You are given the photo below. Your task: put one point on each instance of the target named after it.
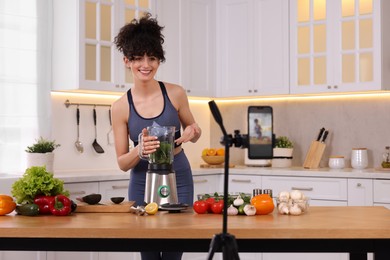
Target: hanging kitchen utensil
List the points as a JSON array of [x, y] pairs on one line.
[[110, 137], [95, 144], [78, 144]]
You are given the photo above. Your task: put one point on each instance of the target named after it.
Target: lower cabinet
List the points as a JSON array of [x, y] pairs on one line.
[[305, 256], [25, 255], [72, 255]]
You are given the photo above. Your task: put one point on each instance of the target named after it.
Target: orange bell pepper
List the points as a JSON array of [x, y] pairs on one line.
[[7, 204]]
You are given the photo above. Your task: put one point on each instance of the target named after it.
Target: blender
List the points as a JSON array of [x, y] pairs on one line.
[[160, 185]]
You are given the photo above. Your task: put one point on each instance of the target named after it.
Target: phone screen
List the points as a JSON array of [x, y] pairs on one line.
[[260, 132]]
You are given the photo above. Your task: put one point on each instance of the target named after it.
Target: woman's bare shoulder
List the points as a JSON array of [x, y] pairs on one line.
[[174, 89]]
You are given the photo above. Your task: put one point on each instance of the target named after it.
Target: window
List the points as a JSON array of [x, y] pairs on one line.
[[24, 78]]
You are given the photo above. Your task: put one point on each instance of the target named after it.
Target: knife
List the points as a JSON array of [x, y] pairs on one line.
[[324, 136], [320, 134]]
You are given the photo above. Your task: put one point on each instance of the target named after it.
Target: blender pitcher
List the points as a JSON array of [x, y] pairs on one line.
[[160, 185]]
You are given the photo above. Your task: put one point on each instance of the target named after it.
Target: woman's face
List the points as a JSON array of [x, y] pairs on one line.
[[143, 67]]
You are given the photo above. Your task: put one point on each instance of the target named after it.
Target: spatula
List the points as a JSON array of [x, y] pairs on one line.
[[95, 144], [109, 134]]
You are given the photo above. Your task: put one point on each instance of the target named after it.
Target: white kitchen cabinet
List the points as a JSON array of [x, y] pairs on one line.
[[189, 30], [206, 184], [84, 55], [321, 191], [382, 193], [360, 192], [242, 183], [252, 47], [338, 46], [110, 189], [25, 255], [81, 189], [305, 256], [51, 255]]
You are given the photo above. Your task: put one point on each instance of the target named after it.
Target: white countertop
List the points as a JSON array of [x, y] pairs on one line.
[[112, 174]]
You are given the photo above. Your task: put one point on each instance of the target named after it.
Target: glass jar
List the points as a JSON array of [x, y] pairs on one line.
[[386, 158]]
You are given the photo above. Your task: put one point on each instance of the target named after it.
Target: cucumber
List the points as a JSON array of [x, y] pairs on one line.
[[27, 209]]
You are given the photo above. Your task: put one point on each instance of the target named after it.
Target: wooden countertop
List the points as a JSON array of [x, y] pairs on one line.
[[319, 222]]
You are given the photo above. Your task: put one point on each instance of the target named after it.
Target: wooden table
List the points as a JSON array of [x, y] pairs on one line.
[[356, 230]]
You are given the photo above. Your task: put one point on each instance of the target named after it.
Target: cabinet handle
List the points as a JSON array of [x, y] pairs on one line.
[[188, 90], [255, 90], [237, 180], [81, 192], [335, 87], [302, 188], [119, 187], [117, 85], [200, 181], [329, 87], [122, 86], [359, 185], [250, 91]]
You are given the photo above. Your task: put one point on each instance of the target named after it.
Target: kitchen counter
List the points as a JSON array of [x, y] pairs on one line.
[[112, 174], [323, 229]]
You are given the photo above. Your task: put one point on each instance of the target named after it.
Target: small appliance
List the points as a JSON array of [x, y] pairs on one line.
[[160, 186]]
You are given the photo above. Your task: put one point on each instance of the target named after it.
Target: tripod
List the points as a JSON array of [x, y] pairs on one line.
[[224, 240]]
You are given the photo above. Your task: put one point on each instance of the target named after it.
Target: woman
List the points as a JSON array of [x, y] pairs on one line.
[[150, 102]]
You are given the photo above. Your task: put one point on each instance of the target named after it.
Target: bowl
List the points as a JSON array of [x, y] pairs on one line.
[[117, 200], [92, 199], [219, 195], [213, 160]]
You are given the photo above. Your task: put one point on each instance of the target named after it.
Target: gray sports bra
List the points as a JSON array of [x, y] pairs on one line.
[[168, 117]]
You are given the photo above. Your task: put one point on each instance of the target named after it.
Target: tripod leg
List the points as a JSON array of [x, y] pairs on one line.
[[214, 246], [230, 248]]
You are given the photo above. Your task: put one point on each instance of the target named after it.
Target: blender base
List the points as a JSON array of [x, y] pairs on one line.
[[173, 208]]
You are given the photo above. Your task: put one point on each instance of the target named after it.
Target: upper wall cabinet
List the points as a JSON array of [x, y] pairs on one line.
[[336, 46], [252, 47], [84, 55], [189, 30]]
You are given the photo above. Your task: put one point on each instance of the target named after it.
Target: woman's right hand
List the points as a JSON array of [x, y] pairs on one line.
[[147, 144]]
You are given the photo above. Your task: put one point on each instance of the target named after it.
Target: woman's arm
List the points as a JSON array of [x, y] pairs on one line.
[[192, 131], [126, 158]]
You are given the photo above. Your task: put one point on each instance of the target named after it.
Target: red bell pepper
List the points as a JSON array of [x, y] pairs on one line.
[[60, 206], [43, 203]]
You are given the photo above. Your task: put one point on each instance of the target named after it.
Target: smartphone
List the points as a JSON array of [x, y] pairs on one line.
[[260, 132]]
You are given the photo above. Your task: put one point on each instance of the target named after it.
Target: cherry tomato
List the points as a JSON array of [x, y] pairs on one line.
[[217, 207], [210, 202], [200, 206]]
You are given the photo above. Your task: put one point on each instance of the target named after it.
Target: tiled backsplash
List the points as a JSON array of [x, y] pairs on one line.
[[353, 121]]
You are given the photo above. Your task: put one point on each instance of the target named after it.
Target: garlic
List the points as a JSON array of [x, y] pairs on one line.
[[302, 205], [238, 201], [284, 196], [295, 210], [232, 211], [249, 210], [283, 208], [296, 195]]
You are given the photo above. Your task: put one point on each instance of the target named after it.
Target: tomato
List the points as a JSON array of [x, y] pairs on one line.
[[217, 207], [263, 203], [200, 206], [210, 201]]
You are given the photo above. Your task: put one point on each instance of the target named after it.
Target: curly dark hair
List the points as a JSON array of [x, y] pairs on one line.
[[138, 38]]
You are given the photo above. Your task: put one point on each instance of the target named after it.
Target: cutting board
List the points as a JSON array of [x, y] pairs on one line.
[[205, 165], [104, 207]]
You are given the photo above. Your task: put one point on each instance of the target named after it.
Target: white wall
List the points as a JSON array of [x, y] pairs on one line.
[[64, 131]]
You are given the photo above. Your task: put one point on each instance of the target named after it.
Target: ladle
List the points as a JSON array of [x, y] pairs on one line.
[[95, 144], [78, 143]]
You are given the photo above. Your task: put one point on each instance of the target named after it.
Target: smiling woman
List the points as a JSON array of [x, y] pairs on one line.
[[24, 78]]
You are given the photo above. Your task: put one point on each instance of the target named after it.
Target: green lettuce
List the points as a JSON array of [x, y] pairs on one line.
[[36, 181]]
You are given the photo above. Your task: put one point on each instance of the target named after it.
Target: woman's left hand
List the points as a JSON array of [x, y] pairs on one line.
[[190, 133]]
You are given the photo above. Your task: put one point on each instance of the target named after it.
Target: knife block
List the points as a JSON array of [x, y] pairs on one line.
[[314, 155]]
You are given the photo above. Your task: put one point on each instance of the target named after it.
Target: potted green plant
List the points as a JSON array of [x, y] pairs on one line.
[[41, 153], [283, 152]]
